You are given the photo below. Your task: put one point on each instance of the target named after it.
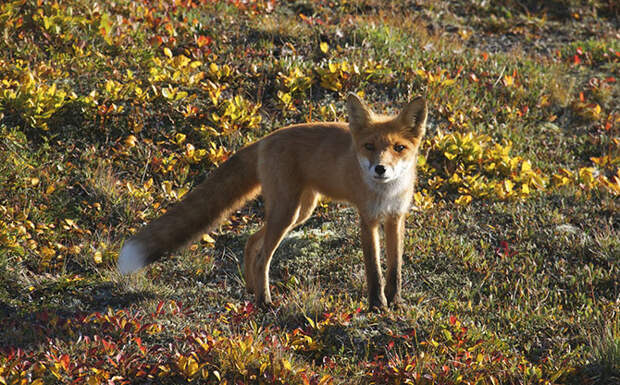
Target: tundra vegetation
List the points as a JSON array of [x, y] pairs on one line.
[[110, 111]]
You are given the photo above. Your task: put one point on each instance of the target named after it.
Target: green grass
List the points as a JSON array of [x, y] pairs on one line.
[[111, 112]]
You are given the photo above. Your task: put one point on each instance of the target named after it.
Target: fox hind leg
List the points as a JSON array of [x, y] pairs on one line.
[[308, 202], [280, 220], [252, 247]]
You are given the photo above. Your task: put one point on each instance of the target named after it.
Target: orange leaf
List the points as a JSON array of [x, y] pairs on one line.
[[64, 361], [203, 40]]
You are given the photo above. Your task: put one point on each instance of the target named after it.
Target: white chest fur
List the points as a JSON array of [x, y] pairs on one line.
[[390, 198]]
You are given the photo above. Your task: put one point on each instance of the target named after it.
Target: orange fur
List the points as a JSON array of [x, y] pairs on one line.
[[369, 162]]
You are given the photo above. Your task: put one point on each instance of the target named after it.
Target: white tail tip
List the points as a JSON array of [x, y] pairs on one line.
[[131, 258]]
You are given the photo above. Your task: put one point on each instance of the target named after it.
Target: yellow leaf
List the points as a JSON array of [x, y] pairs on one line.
[[47, 252], [286, 364], [526, 166], [586, 175], [97, 257], [613, 184], [463, 200], [525, 189], [131, 141], [167, 52], [179, 138], [324, 47], [167, 187], [559, 180], [208, 239], [285, 97], [182, 191], [148, 184], [192, 366], [182, 61]]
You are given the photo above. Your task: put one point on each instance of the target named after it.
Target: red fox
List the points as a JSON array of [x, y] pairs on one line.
[[369, 162]]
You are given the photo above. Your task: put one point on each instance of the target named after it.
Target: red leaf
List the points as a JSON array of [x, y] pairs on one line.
[[64, 361], [203, 40], [576, 60], [452, 320], [112, 362], [106, 344], [459, 71], [159, 306], [579, 51], [304, 378]]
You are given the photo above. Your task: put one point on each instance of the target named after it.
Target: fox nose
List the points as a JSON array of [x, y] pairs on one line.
[[379, 169]]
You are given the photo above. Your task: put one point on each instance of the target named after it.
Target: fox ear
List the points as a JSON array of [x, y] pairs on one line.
[[359, 114], [413, 116]]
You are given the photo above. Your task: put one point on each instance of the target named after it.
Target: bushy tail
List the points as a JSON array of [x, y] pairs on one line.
[[226, 189]]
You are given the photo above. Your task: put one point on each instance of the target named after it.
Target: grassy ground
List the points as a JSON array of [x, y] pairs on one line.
[[111, 111]]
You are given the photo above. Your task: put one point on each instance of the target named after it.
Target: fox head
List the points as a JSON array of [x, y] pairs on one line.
[[387, 147]]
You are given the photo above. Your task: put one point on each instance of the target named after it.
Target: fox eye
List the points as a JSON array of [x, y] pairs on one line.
[[369, 146], [398, 147]]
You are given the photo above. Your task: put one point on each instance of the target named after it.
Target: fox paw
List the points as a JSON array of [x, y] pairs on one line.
[[377, 304], [263, 301], [397, 303]]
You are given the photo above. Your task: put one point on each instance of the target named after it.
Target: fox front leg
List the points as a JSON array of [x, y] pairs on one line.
[[394, 227], [374, 279]]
